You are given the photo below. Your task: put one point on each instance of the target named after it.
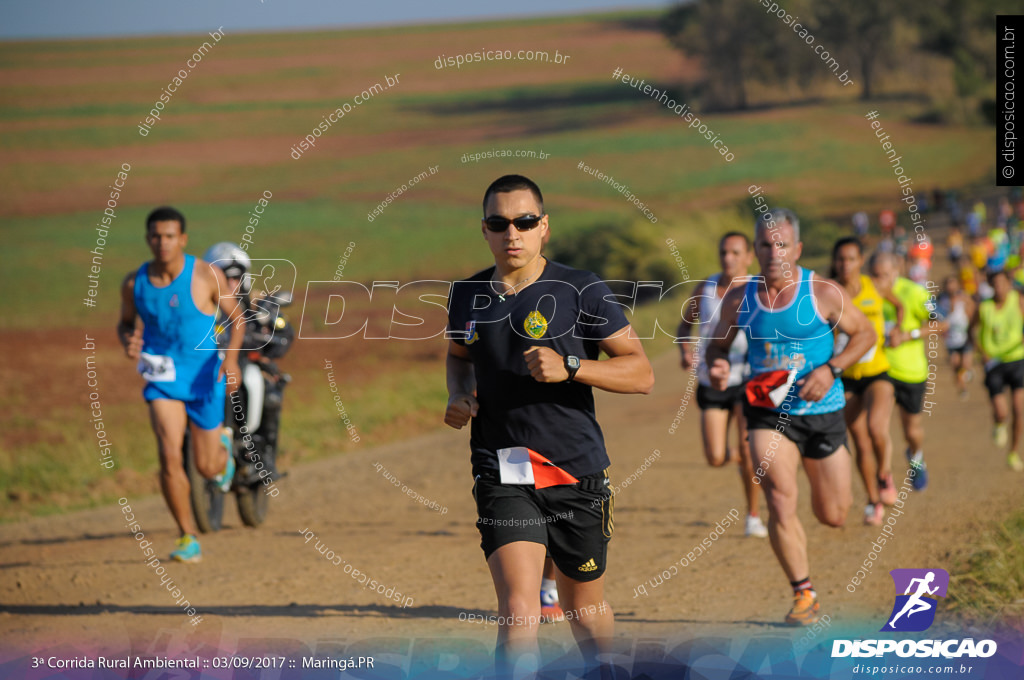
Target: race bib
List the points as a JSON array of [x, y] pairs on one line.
[[769, 390], [156, 368], [514, 465], [520, 465]]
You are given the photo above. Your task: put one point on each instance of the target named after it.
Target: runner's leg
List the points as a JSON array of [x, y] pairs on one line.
[[956, 360], [856, 417], [589, 615], [516, 570], [780, 458], [168, 420], [913, 430], [714, 428], [830, 486], [1017, 396], [878, 402], [211, 456], [746, 464]]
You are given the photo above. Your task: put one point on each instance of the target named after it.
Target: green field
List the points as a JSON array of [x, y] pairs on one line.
[[69, 120]]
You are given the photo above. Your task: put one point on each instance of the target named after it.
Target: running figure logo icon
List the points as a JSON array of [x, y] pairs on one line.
[[914, 610]]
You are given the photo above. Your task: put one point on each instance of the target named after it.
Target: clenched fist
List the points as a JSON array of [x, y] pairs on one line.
[[133, 344], [718, 373], [461, 407], [546, 365]]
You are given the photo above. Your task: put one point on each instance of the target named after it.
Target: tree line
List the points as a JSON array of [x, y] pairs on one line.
[[752, 44]]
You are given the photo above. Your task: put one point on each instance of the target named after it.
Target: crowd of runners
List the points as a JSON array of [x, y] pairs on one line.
[[796, 363]]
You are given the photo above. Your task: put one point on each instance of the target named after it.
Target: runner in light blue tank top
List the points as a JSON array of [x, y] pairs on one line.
[[794, 399], [177, 355], [805, 343], [181, 340]]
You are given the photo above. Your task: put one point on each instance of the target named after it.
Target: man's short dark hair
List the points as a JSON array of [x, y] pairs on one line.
[[839, 245], [994, 274], [508, 183], [735, 234], [847, 241], [165, 214]]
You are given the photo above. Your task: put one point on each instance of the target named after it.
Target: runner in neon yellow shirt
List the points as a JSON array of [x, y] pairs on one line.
[[908, 360], [998, 331], [869, 392]]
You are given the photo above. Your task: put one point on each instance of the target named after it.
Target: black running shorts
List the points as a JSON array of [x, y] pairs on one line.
[[859, 385], [816, 435], [910, 396], [574, 521], [709, 397], [1005, 375]]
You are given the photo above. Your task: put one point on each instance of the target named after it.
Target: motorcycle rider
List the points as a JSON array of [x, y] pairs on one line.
[[237, 267]]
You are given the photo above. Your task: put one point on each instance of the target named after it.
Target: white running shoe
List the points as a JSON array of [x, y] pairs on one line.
[[755, 527]]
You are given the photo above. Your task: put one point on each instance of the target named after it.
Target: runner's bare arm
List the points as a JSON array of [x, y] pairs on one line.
[[127, 332], [625, 371], [690, 318], [835, 305], [461, 378], [973, 331], [218, 292], [895, 302], [232, 308], [717, 357]]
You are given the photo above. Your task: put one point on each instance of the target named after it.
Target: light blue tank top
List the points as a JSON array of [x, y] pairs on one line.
[[175, 328], [793, 336]]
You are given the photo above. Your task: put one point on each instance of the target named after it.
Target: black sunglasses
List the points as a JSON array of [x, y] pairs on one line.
[[498, 224]]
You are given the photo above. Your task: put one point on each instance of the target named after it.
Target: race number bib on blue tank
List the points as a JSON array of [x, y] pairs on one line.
[[156, 368]]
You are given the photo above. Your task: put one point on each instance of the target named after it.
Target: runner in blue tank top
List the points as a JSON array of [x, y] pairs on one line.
[[176, 297], [794, 398]]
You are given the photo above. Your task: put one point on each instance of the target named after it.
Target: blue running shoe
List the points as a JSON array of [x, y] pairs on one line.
[[920, 480], [224, 479], [187, 549]]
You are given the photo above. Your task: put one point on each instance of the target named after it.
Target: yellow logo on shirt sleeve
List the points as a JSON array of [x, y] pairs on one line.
[[536, 325]]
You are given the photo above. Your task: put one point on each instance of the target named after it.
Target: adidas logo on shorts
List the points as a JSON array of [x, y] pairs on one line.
[[589, 565]]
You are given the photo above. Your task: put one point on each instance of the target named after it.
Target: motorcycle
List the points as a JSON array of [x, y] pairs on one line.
[[253, 413]]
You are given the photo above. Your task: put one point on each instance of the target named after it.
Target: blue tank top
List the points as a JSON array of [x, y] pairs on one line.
[[175, 329], [791, 337]]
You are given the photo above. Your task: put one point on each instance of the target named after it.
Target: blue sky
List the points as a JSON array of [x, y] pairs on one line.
[[21, 19]]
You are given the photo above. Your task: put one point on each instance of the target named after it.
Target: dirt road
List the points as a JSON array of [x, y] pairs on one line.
[[79, 580]]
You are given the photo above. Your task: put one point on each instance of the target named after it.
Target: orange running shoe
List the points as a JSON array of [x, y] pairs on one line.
[[805, 609], [550, 609], [551, 613]]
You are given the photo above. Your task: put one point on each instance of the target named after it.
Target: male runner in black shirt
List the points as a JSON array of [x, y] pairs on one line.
[[526, 335]]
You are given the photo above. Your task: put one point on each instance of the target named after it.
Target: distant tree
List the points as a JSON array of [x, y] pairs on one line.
[[732, 39], [864, 29], [964, 31]]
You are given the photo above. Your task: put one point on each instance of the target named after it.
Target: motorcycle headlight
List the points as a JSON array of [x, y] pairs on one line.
[[280, 323]]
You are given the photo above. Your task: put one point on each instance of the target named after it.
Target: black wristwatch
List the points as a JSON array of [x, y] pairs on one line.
[[572, 365], [836, 371]]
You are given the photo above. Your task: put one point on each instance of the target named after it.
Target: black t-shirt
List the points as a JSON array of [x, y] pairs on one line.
[[566, 309]]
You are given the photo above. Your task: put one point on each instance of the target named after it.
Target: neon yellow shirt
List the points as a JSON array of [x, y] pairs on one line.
[[908, 362], [869, 301], [1002, 329]]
